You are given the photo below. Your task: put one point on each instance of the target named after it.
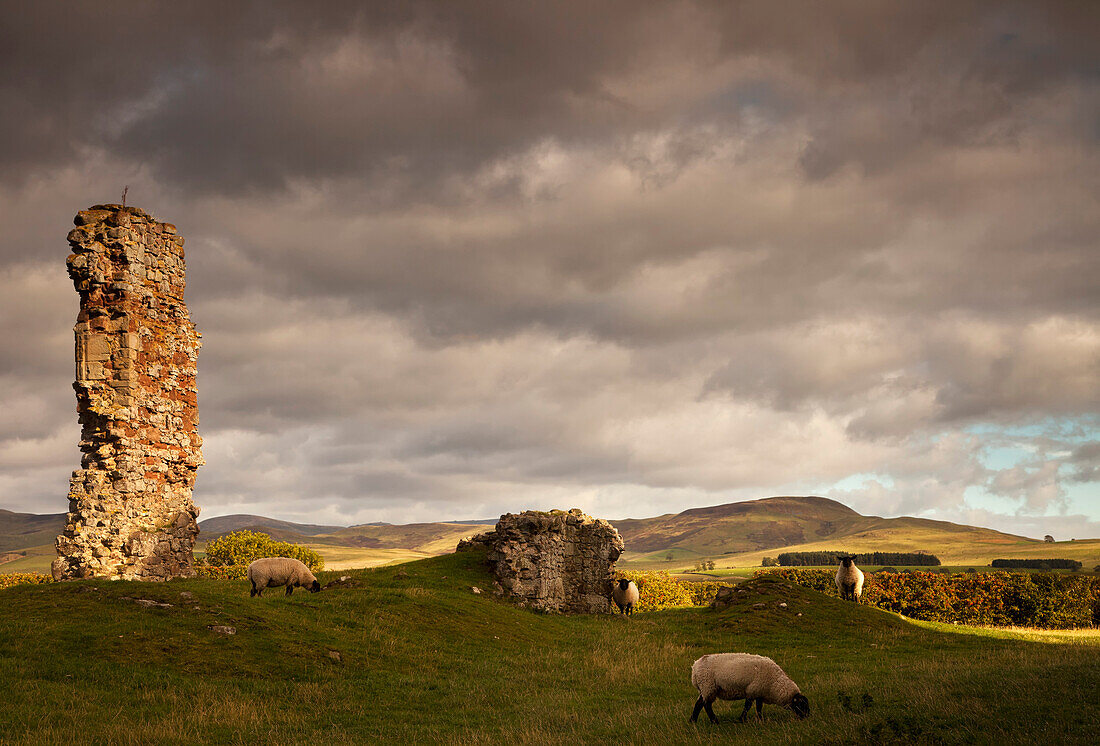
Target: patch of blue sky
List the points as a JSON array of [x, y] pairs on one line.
[[1072, 430], [1006, 456], [1083, 498]]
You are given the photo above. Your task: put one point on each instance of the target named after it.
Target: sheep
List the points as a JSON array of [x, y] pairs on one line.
[[742, 675], [271, 572], [625, 594], [849, 579]]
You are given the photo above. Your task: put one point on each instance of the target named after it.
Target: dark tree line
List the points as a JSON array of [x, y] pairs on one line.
[[1037, 564], [816, 559]]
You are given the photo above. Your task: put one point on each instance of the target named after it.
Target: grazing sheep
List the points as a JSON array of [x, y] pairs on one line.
[[748, 677], [625, 595], [849, 579], [271, 572]]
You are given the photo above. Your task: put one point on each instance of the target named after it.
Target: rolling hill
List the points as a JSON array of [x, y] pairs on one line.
[[734, 535], [24, 530], [742, 534], [213, 527]]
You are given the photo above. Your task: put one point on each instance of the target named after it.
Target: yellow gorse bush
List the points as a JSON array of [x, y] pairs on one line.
[[659, 590], [8, 580], [227, 557]]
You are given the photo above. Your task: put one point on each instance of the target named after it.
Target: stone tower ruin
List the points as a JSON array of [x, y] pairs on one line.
[[130, 509]]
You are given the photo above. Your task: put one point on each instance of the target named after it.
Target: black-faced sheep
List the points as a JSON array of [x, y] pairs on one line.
[[271, 572], [753, 678], [625, 595], [849, 579]]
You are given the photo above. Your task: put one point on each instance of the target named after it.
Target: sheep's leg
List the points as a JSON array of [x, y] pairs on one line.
[[698, 706], [759, 709], [252, 593], [289, 589], [710, 712], [745, 712]]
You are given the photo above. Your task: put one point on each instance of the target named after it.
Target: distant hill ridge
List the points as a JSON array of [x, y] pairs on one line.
[[787, 522], [743, 532]]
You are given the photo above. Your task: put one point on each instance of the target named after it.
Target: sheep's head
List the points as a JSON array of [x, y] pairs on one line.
[[315, 587], [846, 560], [800, 705], [624, 583]]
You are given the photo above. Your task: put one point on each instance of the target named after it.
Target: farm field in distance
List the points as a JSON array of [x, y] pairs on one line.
[[410, 654]]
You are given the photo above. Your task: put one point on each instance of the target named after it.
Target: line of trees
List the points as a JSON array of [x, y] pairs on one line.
[[1036, 564], [816, 559]]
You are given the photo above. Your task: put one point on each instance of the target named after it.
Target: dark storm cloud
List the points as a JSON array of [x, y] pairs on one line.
[[476, 257], [248, 96]]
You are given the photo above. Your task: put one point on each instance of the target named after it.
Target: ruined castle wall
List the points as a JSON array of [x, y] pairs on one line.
[[557, 561], [130, 510]]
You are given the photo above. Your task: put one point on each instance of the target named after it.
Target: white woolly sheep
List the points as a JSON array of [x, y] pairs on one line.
[[849, 579], [625, 595], [744, 676], [271, 572]]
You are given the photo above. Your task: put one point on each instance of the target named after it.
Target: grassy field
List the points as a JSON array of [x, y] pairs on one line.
[[410, 655]]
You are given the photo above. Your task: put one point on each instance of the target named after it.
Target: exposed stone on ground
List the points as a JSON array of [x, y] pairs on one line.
[[344, 581], [131, 515], [148, 602], [557, 561], [222, 629], [724, 597], [475, 590]]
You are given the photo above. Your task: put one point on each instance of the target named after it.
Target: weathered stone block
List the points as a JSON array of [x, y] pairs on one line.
[[557, 561]]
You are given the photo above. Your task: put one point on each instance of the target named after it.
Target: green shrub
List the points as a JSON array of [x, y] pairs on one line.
[[702, 593], [228, 556]]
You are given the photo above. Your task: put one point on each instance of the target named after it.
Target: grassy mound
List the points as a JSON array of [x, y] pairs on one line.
[[410, 654]]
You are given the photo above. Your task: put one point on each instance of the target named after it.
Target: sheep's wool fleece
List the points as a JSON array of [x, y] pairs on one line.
[[849, 575], [742, 676], [629, 596], [273, 571]]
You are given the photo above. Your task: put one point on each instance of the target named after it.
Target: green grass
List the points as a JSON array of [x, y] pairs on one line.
[[424, 660]]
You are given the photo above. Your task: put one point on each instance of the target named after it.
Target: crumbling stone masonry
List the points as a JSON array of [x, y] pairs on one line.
[[130, 509], [554, 561]]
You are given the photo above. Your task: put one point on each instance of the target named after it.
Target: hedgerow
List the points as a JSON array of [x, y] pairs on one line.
[[10, 579], [994, 598], [228, 556], [804, 559], [1036, 564]]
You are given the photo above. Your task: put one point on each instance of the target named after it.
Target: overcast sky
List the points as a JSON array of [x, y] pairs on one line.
[[456, 259]]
